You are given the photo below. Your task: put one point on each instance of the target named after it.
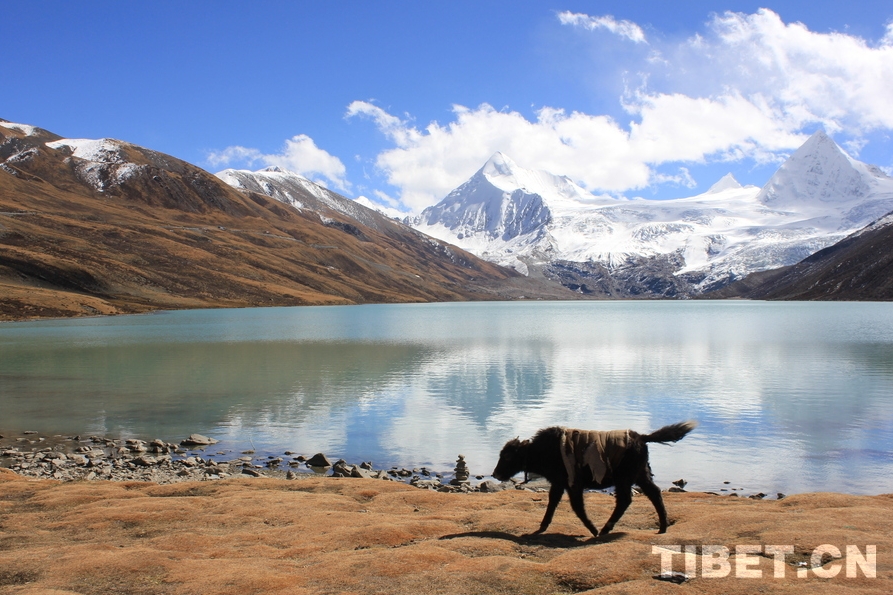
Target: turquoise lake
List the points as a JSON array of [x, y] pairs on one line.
[[790, 396]]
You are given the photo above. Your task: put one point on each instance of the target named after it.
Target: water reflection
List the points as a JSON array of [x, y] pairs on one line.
[[791, 397]]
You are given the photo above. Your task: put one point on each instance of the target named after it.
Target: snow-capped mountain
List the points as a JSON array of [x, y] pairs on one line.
[[521, 218]]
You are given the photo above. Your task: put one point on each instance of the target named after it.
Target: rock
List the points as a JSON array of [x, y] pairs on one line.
[[319, 460], [290, 475], [429, 484], [680, 483], [675, 489], [198, 440], [342, 469], [781, 496], [250, 471], [759, 496], [493, 486], [361, 472]]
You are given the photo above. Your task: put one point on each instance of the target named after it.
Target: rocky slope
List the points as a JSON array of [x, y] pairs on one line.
[[104, 226], [860, 267], [535, 221]]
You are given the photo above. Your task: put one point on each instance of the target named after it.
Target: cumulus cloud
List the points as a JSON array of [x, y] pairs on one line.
[[749, 87], [299, 154], [595, 151], [840, 81], [623, 28]]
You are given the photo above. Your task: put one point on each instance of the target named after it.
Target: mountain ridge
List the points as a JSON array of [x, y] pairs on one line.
[[817, 197], [104, 226]]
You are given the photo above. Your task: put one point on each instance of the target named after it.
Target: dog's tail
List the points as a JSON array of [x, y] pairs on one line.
[[671, 433]]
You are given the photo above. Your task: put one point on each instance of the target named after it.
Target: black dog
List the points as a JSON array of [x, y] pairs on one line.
[[575, 460]]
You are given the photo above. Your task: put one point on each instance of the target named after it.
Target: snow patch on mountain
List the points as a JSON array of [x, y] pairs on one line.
[[517, 217], [25, 129], [386, 211], [104, 150], [101, 163], [299, 192]]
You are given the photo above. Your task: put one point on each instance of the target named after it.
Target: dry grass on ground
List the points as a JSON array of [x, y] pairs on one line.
[[325, 535]]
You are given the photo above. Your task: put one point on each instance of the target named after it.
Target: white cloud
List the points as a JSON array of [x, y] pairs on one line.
[[595, 151], [299, 154], [749, 87], [838, 80], [623, 28]]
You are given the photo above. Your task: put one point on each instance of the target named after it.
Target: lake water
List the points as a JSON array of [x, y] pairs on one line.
[[790, 397]]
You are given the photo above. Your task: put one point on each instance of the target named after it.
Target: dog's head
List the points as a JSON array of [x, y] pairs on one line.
[[511, 459]]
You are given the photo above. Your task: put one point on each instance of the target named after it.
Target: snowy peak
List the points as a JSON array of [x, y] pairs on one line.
[[519, 217], [727, 182], [499, 166], [500, 201], [818, 173], [503, 173]]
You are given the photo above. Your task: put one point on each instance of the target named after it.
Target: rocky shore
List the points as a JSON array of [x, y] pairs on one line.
[[78, 458]]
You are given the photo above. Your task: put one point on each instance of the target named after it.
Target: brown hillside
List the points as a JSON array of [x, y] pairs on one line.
[[133, 230]]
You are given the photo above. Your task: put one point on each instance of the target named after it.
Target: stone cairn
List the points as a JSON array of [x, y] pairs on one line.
[[461, 471]]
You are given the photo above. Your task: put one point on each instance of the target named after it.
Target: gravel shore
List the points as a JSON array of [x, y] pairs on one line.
[[88, 458]]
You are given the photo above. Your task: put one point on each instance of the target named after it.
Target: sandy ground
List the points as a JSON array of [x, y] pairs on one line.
[[327, 535]]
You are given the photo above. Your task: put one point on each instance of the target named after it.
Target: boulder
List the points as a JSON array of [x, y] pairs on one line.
[[492, 486], [198, 440], [319, 460]]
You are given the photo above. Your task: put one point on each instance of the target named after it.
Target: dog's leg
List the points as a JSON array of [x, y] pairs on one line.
[[576, 496], [555, 494], [623, 496], [653, 492]]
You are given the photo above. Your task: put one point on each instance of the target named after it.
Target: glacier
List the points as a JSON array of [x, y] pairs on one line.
[[530, 219]]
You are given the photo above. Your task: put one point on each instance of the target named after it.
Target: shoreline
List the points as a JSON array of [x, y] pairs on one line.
[[195, 458], [89, 458]]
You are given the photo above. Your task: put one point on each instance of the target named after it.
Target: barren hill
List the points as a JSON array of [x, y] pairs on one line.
[[859, 267], [104, 226]]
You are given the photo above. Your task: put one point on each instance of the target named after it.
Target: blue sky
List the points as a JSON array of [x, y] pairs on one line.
[[401, 102]]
